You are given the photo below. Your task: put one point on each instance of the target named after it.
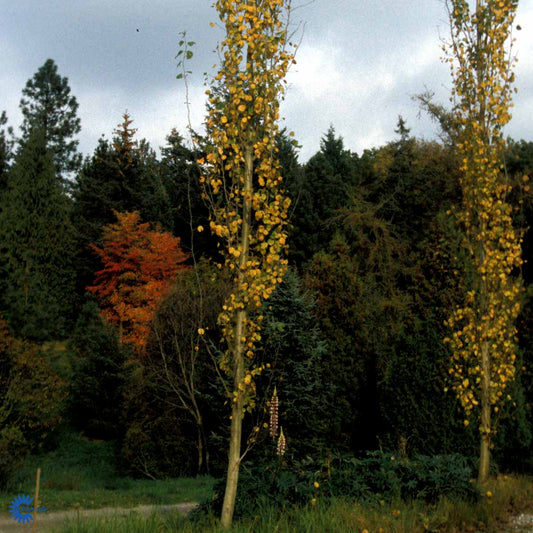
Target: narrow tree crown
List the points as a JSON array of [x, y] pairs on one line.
[[48, 105]]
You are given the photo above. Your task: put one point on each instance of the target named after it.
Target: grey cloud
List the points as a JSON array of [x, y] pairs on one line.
[[376, 55]]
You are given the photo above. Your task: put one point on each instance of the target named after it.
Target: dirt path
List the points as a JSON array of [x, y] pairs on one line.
[[46, 521]]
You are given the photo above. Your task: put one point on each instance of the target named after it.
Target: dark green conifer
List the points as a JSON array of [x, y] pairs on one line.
[[47, 105], [96, 388], [291, 341], [317, 195], [36, 241]]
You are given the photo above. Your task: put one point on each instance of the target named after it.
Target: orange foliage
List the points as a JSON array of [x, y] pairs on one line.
[[140, 265]]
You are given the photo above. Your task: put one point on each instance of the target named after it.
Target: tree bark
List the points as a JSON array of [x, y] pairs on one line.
[[484, 451], [234, 454], [234, 460]]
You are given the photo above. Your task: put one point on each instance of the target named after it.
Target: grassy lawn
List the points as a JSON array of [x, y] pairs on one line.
[[80, 474], [131, 493]]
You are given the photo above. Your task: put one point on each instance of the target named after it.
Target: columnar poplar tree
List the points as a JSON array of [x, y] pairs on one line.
[[243, 183], [483, 338]]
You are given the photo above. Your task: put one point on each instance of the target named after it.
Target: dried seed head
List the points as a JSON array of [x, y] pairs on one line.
[[274, 407], [282, 443]]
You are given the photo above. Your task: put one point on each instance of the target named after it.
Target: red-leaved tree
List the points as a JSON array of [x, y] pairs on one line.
[[140, 265]]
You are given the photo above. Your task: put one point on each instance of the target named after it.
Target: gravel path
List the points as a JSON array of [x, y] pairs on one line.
[[47, 520], [522, 523]]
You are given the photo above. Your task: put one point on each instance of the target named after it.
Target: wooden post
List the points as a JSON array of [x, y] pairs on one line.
[[36, 501]]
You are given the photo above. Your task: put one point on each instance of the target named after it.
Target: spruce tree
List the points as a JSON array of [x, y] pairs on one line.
[[139, 183], [48, 105], [122, 175], [321, 190], [292, 342], [36, 241], [181, 180]]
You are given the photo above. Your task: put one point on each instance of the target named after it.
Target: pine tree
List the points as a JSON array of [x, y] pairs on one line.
[[180, 178], [95, 195], [6, 154], [409, 179], [47, 105], [36, 239]]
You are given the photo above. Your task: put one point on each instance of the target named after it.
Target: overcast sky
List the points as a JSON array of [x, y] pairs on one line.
[[358, 66]]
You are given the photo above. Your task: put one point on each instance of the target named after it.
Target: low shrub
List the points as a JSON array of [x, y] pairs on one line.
[[378, 476], [13, 448], [32, 399], [384, 475]]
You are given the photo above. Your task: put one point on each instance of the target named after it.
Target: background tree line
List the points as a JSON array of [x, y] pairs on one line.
[[351, 340]]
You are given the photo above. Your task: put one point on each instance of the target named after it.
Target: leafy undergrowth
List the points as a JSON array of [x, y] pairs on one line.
[[378, 477], [81, 474], [503, 498]]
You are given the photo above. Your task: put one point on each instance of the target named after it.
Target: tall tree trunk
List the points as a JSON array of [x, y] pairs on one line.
[[203, 453], [234, 454], [484, 451]]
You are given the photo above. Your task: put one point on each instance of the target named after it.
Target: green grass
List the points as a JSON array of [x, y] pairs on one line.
[[134, 524], [81, 474], [131, 493], [508, 496]]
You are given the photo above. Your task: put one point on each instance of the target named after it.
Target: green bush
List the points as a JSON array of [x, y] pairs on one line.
[[384, 475], [12, 451], [32, 399], [378, 476], [97, 383], [261, 486]]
